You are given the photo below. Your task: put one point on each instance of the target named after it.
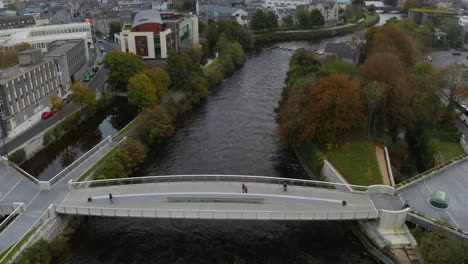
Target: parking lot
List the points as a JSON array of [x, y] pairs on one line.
[[444, 58]]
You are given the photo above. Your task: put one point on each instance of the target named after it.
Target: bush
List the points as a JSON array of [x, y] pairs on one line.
[[157, 127], [18, 156], [313, 157], [228, 67], [215, 77]]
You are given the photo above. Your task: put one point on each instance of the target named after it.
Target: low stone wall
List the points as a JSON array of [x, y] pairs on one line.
[[389, 166], [463, 144], [392, 219], [332, 175]]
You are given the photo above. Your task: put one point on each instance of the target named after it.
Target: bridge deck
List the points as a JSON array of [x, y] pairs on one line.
[[314, 203]]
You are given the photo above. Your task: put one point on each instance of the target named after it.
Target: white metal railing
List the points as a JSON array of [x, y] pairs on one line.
[[19, 208], [20, 170], [77, 162], [217, 214], [21, 244], [6, 209], [215, 178]]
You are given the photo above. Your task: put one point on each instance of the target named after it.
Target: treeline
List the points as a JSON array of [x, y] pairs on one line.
[[164, 93], [392, 96]]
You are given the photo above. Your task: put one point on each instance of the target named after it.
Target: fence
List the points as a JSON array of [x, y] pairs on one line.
[[77, 162], [18, 208], [217, 214], [216, 178], [6, 209], [29, 236]]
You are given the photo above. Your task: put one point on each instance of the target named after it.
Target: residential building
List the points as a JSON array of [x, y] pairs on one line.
[[329, 10], [215, 12], [152, 34], [69, 60], [284, 4], [135, 6], [17, 21], [39, 37], [25, 90], [103, 20], [342, 51]]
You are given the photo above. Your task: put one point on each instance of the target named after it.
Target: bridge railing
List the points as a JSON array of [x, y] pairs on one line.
[[217, 214], [217, 178], [6, 209]]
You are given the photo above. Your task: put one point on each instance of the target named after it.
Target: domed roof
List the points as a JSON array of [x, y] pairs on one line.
[[147, 17], [439, 200]]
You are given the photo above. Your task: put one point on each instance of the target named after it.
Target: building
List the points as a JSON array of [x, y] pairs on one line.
[[342, 51], [25, 90], [103, 20], [39, 37], [17, 21], [329, 10], [215, 12], [152, 34], [284, 4], [135, 6], [69, 60]]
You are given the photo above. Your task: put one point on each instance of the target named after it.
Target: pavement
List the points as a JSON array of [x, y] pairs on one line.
[[441, 59], [454, 182], [16, 188]]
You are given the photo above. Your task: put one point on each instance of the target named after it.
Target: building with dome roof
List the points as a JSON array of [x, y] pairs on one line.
[[152, 34]]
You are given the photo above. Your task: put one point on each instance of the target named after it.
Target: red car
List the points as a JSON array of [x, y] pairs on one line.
[[47, 115]]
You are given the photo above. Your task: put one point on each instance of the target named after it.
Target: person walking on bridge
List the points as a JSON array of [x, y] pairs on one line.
[[110, 197], [243, 188], [285, 186]]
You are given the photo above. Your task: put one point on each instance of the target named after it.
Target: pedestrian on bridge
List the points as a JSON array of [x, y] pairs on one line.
[[110, 197], [285, 186], [243, 188]]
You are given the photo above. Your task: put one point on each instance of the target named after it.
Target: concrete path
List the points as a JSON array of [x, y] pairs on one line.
[[379, 153], [22, 190], [273, 199]]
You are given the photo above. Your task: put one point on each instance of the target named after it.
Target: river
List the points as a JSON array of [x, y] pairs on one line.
[[233, 132]]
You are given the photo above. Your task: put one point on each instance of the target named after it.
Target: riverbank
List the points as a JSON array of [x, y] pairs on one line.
[[314, 34]]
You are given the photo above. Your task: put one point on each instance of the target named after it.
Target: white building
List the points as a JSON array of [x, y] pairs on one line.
[[463, 21], [284, 4], [40, 36], [329, 10]]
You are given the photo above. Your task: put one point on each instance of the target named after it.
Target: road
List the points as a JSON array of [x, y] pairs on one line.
[[98, 81]]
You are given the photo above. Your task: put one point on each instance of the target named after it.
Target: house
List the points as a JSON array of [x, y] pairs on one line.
[[342, 51], [215, 12], [329, 10]]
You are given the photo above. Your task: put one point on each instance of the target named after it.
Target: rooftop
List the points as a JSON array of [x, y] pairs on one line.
[[59, 47], [147, 16]]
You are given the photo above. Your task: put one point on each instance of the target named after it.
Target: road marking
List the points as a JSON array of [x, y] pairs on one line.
[[452, 219], [424, 182], [11, 189], [33, 199]]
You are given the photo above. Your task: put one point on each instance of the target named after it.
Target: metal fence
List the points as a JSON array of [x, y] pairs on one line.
[[77, 162], [18, 208], [217, 214], [6, 209], [214, 178]]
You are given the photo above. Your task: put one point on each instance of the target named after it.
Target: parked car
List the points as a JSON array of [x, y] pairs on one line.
[[47, 115], [102, 49], [456, 53], [99, 40], [87, 78], [95, 69]]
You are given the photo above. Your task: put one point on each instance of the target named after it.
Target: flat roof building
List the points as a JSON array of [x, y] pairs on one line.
[[40, 36]]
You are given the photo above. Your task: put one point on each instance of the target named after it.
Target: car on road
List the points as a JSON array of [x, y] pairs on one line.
[[47, 115], [102, 49], [95, 69], [99, 41], [456, 53], [87, 78]]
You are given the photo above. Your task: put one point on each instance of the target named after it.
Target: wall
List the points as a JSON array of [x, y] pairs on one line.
[[332, 175], [392, 219]]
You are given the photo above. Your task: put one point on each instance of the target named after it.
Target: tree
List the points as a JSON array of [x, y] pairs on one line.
[[184, 67], [409, 4], [121, 67], [271, 21], [237, 54], [160, 79], [334, 105], [199, 89], [372, 9], [438, 247], [373, 96], [158, 126], [114, 27], [302, 17], [454, 35], [141, 91], [83, 96], [288, 21], [454, 84], [316, 18], [57, 103], [336, 65], [258, 20], [233, 31], [353, 13], [358, 2], [129, 154]]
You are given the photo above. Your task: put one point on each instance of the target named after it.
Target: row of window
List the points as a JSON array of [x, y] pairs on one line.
[[59, 31], [16, 23]]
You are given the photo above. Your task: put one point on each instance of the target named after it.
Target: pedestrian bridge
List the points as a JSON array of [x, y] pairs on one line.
[[220, 197]]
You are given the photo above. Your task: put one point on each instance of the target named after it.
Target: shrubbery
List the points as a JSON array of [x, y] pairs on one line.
[[18, 156]]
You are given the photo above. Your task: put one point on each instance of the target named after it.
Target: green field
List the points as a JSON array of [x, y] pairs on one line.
[[357, 162], [449, 150]]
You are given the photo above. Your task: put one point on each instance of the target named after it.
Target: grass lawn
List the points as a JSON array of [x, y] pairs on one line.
[[212, 64], [357, 162], [449, 150]]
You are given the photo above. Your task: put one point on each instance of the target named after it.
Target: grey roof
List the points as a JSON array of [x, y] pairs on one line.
[[145, 17], [342, 50], [326, 3], [220, 9], [16, 21], [60, 47]]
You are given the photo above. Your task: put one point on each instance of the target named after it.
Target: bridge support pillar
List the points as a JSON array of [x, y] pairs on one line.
[[393, 219]]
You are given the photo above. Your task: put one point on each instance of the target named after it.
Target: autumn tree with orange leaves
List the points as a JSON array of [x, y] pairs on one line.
[[334, 106]]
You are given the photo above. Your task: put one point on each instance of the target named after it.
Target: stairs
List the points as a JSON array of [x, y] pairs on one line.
[[411, 253]]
